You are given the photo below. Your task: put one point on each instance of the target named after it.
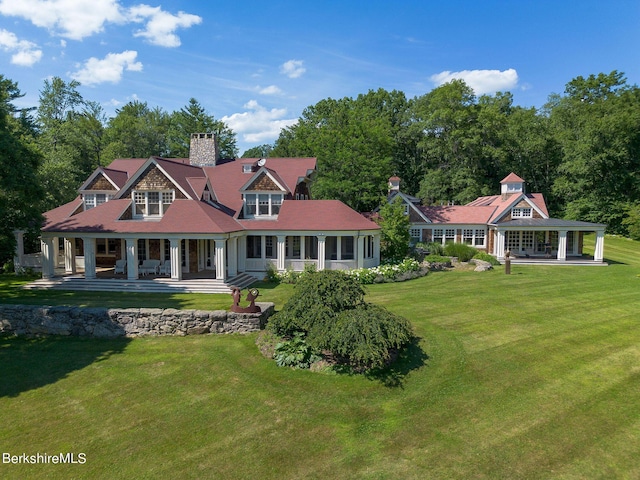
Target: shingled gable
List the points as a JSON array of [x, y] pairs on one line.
[[265, 180], [100, 180], [175, 173], [504, 206]]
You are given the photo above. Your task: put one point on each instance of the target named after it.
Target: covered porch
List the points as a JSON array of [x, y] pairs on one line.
[[298, 251], [551, 240]]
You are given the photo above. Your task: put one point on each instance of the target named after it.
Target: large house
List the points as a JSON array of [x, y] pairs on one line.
[[513, 221], [204, 216]]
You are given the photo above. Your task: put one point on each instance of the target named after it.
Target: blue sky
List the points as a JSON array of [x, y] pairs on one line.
[[257, 65]]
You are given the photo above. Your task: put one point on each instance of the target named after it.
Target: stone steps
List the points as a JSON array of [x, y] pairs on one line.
[[158, 285]]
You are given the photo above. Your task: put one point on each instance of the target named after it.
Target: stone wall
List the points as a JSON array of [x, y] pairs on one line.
[[130, 322]]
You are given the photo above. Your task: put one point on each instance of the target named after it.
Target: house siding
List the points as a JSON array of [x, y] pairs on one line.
[[153, 179], [101, 183]]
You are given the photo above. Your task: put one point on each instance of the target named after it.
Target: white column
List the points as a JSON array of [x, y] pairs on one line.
[[598, 253], [89, 258], [176, 258], [562, 245], [499, 248], [376, 249], [303, 253], [242, 253], [221, 260], [19, 253], [360, 247], [70, 255], [339, 247], [321, 252], [48, 256], [132, 258], [281, 253], [233, 256]]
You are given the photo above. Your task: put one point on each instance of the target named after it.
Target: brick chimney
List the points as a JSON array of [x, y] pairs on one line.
[[203, 150]]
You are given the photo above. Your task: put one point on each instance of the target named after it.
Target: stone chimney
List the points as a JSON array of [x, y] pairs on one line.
[[203, 150], [394, 184]]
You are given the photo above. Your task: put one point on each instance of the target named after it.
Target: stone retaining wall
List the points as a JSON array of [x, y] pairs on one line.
[[129, 322]]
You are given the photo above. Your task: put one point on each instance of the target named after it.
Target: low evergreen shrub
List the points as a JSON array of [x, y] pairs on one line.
[[295, 353]]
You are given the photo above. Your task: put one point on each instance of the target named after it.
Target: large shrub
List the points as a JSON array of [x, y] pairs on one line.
[[463, 251], [328, 310]]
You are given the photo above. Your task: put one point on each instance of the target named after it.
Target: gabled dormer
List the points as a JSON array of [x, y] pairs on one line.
[[263, 194], [152, 191], [99, 188]]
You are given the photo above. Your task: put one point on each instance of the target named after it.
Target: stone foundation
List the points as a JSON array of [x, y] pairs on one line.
[[127, 322]]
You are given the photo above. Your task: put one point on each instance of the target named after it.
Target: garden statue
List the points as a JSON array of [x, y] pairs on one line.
[[252, 294]]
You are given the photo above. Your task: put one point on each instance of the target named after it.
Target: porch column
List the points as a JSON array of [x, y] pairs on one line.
[[303, 253], [48, 256], [89, 258], [70, 255], [499, 248], [282, 253], [19, 253], [598, 252], [360, 248], [376, 248], [242, 253], [321, 251], [562, 245], [339, 247], [132, 258], [233, 256], [221, 260], [176, 258]]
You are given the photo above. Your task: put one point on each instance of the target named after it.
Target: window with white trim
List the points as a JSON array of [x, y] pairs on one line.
[[450, 235], [92, 200], [438, 235], [520, 212], [415, 233], [467, 236], [150, 203], [479, 237], [262, 204]]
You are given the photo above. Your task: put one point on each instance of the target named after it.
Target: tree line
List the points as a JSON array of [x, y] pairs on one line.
[[581, 149]]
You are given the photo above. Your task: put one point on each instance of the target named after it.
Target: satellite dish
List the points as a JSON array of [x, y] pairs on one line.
[[261, 162]]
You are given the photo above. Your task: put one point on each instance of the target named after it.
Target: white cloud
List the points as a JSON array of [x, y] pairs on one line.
[[24, 53], [482, 81], [74, 19], [161, 25], [109, 69], [270, 90], [78, 19], [258, 125], [293, 68]]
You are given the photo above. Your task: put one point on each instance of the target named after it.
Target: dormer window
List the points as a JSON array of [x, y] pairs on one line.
[[521, 212], [247, 168], [92, 200], [262, 204], [151, 203]]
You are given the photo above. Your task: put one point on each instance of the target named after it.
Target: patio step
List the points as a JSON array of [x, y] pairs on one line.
[[158, 285]]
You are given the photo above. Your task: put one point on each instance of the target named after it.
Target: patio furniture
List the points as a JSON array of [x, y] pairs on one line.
[[121, 266], [149, 267], [165, 268]]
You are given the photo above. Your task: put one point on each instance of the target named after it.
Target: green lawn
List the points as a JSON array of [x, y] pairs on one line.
[[530, 375]]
